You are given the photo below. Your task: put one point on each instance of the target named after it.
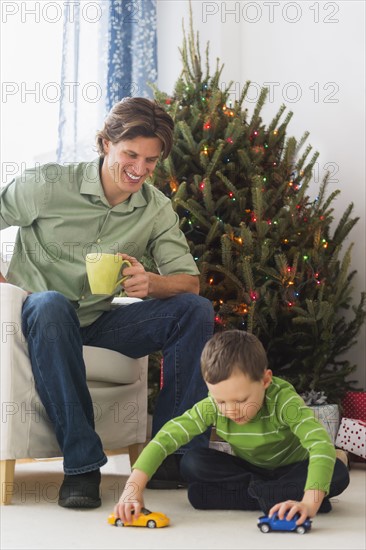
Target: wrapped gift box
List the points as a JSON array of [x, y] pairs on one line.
[[352, 436], [354, 405], [329, 416], [221, 446]]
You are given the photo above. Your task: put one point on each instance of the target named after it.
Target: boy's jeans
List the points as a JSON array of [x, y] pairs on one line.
[[179, 326]]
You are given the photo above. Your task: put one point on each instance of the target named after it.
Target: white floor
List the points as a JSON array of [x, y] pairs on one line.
[[35, 521]]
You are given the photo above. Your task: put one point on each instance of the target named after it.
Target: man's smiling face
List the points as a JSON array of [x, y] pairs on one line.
[[126, 166]]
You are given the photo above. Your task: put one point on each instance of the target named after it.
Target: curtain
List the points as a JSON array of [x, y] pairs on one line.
[[132, 49], [109, 52]]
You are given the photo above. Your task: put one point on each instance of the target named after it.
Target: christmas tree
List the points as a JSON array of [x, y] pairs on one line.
[[269, 259]]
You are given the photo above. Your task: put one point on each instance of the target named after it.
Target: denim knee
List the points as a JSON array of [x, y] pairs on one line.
[[193, 300], [47, 308], [201, 311]]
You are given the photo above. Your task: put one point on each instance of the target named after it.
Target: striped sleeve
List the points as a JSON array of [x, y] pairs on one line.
[[175, 433], [312, 435]]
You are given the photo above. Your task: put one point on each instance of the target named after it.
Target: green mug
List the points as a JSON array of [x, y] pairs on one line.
[[104, 272]]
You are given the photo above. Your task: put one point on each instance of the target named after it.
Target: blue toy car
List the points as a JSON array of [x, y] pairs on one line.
[[274, 523]]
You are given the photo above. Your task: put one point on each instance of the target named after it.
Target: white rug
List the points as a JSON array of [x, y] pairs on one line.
[[35, 521]]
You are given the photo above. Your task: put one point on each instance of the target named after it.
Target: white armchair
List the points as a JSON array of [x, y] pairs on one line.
[[118, 390]]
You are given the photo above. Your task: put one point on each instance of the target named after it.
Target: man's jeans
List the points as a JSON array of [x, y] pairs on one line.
[[179, 326]]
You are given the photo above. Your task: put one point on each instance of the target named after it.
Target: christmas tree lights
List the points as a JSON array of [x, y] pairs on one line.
[[269, 260]]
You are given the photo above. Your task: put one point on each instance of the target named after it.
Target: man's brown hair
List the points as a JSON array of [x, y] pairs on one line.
[[230, 350], [137, 117]]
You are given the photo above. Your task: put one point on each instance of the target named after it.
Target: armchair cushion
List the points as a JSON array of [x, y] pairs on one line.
[[112, 370]]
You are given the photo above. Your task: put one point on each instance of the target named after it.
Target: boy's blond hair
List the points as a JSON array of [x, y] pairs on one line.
[[230, 350]]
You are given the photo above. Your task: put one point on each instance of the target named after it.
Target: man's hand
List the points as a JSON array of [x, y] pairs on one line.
[[141, 283], [137, 284]]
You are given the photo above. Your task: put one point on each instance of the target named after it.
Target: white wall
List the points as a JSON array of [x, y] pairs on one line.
[[312, 55], [31, 45]]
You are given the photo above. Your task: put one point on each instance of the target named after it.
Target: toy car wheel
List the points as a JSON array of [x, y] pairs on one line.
[[118, 523], [300, 529], [265, 528], [151, 524]]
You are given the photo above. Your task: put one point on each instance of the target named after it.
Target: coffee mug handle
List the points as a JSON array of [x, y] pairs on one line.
[[125, 263]]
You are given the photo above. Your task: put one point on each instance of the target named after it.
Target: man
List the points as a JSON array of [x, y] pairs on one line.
[[65, 212]]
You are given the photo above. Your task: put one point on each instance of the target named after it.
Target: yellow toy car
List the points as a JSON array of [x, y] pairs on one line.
[[145, 519]]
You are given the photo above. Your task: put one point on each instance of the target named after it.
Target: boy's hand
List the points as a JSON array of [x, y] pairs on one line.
[[123, 509], [132, 497], [307, 508], [291, 507]]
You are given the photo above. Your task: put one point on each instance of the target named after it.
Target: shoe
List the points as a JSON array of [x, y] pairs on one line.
[[80, 491], [168, 475], [325, 507]]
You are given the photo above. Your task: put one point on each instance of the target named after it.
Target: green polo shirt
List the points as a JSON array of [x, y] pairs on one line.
[[63, 214]]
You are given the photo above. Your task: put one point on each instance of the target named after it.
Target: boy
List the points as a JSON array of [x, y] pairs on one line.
[[283, 458]]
